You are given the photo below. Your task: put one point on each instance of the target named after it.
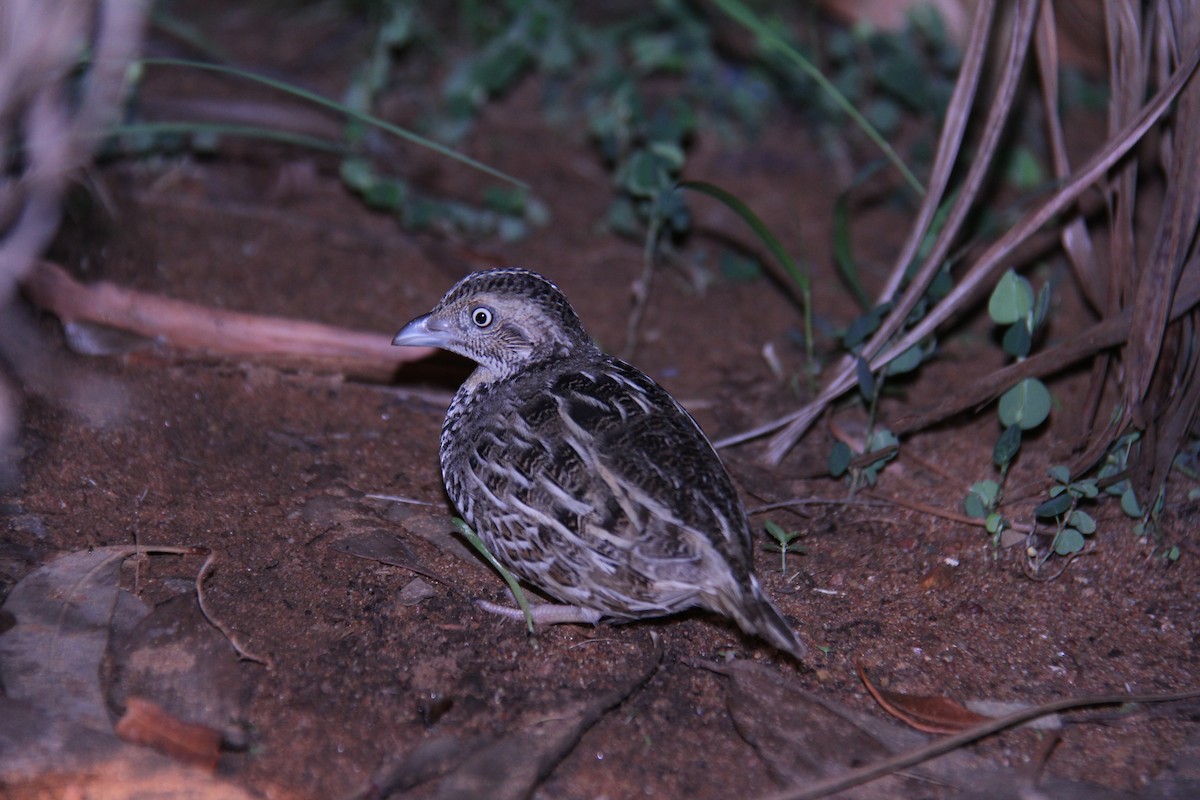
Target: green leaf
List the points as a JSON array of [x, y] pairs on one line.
[[1060, 473], [881, 439], [738, 268], [1042, 307], [1011, 300], [981, 498], [994, 521], [839, 459], [988, 491], [1017, 342], [866, 381], [1068, 541], [907, 361], [1130, 504], [777, 532], [1007, 446], [974, 507], [1023, 170], [1054, 507], [386, 195], [1027, 404], [864, 325], [1082, 522], [644, 174], [672, 155], [357, 173]]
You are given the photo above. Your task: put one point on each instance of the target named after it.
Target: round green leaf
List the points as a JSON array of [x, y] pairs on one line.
[[1069, 541], [1011, 300], [357, 173], [1083, 522], [644, 174], [907, 361], [1052, 508], [1027, 404], [385, 195], [839, 459], [1060, 473], [987, 490], [1130, 505], [1017, 341], [881, 439], [861, 327], [974, 507]]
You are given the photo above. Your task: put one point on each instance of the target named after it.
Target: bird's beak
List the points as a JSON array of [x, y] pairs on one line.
[[423, 331]]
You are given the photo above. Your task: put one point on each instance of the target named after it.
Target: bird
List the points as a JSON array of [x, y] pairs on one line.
[[583, 477]]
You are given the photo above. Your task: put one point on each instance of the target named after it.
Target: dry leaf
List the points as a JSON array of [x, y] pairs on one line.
[[927, 713]]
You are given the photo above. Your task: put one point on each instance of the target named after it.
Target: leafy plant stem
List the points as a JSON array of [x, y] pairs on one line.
[[871, 414], [642, 291]]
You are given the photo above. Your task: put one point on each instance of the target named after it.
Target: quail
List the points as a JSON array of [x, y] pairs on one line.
[[583, 476]]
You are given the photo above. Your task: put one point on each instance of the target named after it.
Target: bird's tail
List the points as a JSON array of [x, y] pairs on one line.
[[756, 614]]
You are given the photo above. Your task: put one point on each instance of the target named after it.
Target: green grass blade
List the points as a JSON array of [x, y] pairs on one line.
[[843, 252], [509, 578], [759, 227], [341, 108], [222, 129], [769, 240], [768, 38]]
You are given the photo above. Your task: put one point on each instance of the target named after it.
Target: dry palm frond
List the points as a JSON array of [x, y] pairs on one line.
[[1146, 290]]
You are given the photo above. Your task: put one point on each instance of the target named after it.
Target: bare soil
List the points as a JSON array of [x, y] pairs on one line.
[[277, 470]]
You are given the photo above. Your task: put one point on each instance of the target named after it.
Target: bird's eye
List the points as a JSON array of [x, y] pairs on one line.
[[482, 316]]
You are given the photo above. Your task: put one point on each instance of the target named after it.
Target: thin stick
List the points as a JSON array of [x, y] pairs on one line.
[[231, 637], [953, 516], [857, 777], [188, 326]]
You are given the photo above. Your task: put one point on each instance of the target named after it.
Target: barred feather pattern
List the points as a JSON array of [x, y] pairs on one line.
[[582, 475]]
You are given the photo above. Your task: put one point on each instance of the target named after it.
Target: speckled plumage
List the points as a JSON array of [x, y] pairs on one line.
[[582, 475]]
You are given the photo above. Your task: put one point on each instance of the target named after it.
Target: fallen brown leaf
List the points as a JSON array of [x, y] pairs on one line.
[[928, 713]]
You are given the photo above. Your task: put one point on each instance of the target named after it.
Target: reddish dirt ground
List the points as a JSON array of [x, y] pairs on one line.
[[273, 470]]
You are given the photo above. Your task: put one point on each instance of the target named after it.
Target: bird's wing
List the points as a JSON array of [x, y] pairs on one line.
[[657, 464]]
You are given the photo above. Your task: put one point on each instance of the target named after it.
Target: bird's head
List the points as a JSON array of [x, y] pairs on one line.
[[503, 319]]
